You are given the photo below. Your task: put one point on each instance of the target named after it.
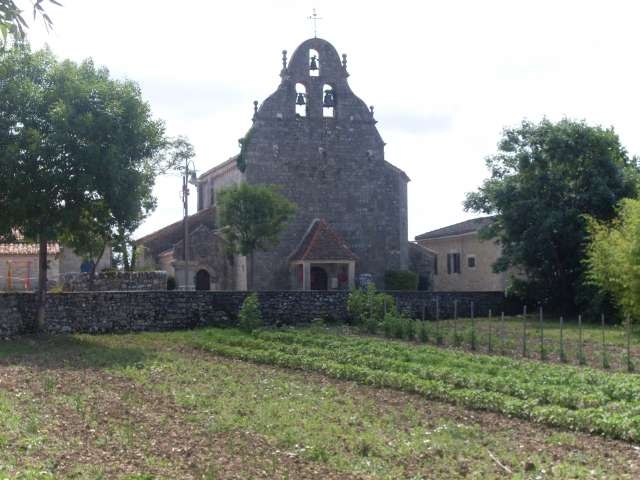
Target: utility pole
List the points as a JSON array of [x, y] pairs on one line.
[[188, 178]]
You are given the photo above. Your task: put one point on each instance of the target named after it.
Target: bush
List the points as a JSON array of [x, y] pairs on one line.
[[401, 280], [249, 317], [369, 305], [409, 327], [171, 283]]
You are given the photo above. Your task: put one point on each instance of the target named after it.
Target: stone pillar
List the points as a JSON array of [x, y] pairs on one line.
[[306, 276], [352, 274]]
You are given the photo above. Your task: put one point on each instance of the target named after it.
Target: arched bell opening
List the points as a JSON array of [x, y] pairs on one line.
[[328, 101], [314, 63], [301, 100]]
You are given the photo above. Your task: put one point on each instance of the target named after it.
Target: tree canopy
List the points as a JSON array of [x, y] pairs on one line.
[[613, 256], [544, 179], [253, 217], [80, 150]]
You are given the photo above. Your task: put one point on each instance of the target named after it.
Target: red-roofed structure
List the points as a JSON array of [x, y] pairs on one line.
[[323, 260]]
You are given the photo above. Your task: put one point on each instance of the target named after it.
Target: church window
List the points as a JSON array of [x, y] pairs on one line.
[[328, 101], [453, 263], [301, 100], [314, 63]]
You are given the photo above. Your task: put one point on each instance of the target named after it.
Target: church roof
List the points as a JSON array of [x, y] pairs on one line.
[[468, 226], [221, 166], [165, 238], [322, 242]]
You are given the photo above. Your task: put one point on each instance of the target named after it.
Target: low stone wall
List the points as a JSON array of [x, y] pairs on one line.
[[99, 312], [114, 281]]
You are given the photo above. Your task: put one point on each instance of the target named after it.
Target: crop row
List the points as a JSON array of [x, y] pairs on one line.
[[545, 384], [348, 358]]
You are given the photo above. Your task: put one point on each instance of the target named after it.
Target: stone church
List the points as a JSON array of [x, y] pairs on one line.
[[316, 140]]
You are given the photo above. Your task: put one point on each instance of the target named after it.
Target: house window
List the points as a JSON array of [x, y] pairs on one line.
[[453, 263], [435, 264], [212, 196], [471, 261]]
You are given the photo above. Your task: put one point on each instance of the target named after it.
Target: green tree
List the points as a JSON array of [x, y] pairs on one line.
[[252, 217], [79, 151], [544, 179], [613, 256]]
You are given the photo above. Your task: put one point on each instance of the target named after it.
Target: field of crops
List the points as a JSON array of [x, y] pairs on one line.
[[611, 347], [564, 396]]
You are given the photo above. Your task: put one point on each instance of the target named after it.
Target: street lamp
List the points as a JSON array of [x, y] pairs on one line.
[[188, 178]]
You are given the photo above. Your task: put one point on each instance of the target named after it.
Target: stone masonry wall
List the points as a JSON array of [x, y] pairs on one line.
[[101, 312], [112, 281]]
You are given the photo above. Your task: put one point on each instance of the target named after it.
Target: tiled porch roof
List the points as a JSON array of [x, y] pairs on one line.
[[322, 242]]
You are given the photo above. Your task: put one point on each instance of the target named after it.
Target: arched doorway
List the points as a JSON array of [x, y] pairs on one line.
[[318, 278], [203, 280]]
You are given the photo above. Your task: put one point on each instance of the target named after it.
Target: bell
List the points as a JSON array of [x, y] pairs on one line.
[[314, 63], [328, 99], [300, 99]]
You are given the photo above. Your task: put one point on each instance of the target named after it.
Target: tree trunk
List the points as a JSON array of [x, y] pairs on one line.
[[94, 267], [129, 266], [42, 284]]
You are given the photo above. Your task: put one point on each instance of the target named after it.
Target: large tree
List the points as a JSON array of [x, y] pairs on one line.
[[252, 217], [78, 149], [545, 177]]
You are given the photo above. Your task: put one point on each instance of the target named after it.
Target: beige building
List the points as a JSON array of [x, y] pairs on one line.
[[462, 261], [19, 267]]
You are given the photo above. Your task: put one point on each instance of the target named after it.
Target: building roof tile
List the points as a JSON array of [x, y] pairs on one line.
[[22, 248], [165, 238], [468, 226], [322, 242]]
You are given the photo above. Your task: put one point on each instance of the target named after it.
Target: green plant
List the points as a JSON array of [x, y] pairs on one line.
[[423, 332], [439, 333], [394, 325], [249, 317], [408, 327], [367, 304], [400, 280], [171, 283]]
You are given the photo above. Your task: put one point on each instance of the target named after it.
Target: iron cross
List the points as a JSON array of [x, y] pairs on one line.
[[315, 19]]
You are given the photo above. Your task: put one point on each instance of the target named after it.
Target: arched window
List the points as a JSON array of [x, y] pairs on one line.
[[328, 101], [301, 100], [314, 63]]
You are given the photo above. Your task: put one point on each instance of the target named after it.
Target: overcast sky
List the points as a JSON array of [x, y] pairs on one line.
[[445, 77]]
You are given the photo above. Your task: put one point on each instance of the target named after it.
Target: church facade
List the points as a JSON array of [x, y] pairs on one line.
[[318, 142]]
